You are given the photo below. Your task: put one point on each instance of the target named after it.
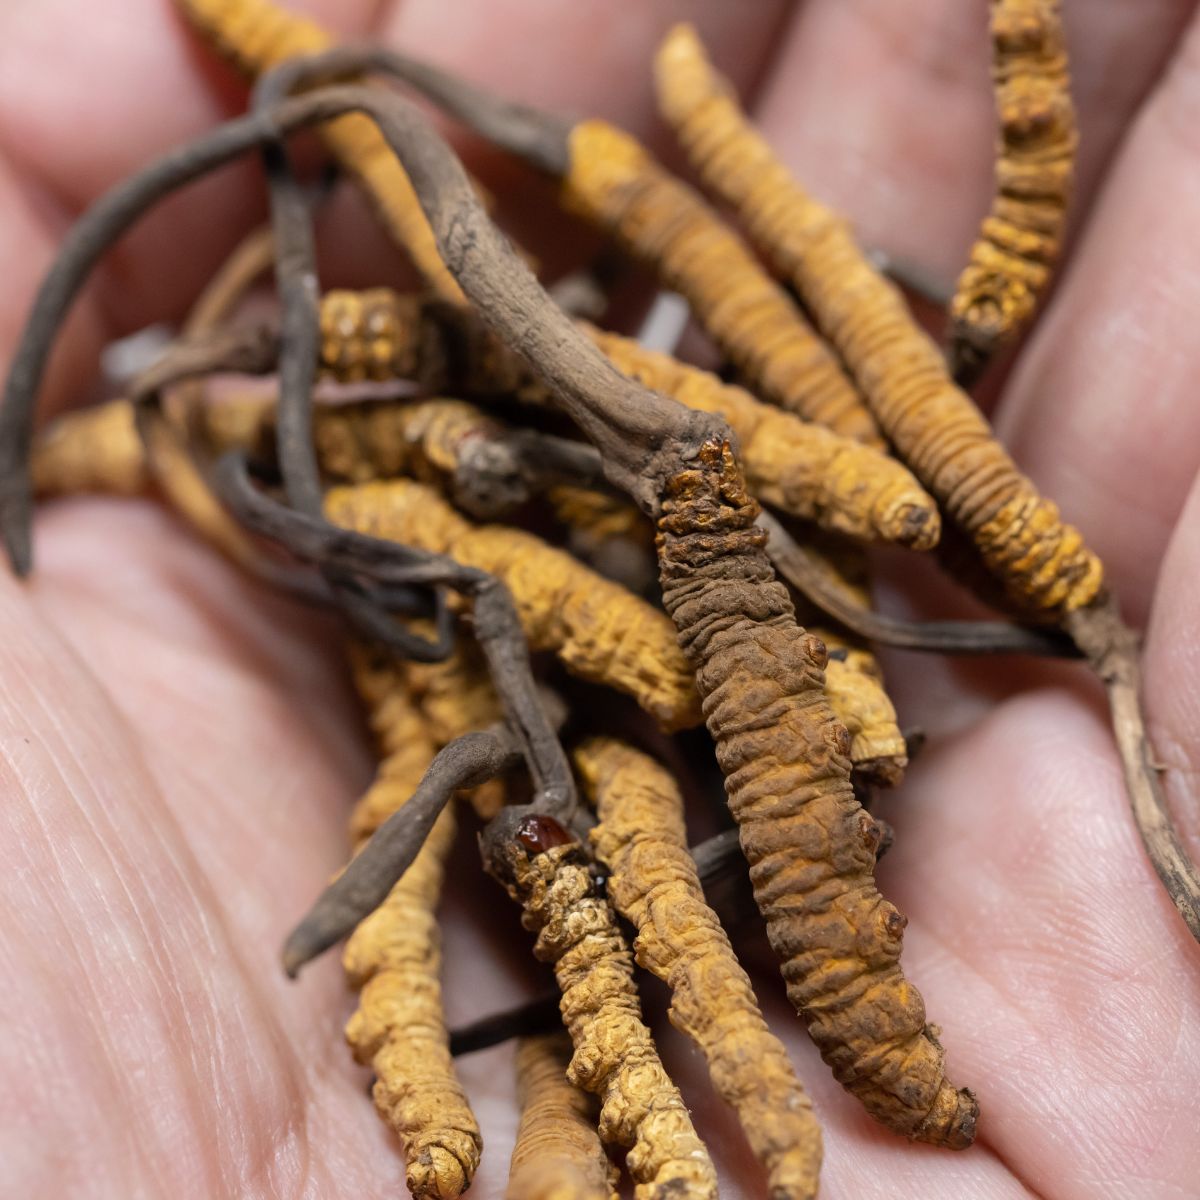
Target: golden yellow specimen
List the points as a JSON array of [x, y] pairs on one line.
[[802, 469], [654, 885], [558, 1155], [394, 959], [810, 846], [618, 186], [91, 450], [1019, 242], [599, 630], [256, 35], [937, 429], [641, 1110]]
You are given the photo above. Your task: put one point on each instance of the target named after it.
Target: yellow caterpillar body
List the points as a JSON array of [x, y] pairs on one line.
[[1019, 242], [393, 958], [937, 429], [599, 630], [653, 883], [616, 185]]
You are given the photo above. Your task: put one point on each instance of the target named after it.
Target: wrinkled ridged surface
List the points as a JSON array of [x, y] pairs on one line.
[[615, 184], [256, 35], [653, 883], [558, 1155], [394, 959], [810, 845], [1019, 241], [802, 469], [615, 1057], [937, 429], [599, 630]]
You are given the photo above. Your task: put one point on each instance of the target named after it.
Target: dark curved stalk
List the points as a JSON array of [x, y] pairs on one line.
[[800, 570]]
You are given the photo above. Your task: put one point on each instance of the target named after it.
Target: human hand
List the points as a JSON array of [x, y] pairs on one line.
[[181, 748]]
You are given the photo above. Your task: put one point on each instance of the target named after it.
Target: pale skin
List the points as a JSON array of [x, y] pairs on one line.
[[180, 749]]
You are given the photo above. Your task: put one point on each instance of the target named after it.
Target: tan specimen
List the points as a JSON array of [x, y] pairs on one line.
[[558, 1155], [599, 630], [641, 1110], [394, 959], [653, 883]]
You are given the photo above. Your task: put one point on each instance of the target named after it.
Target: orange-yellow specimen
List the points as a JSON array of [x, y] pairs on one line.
[[653, 883], [393, 958], [936, 428], [558, 1155]]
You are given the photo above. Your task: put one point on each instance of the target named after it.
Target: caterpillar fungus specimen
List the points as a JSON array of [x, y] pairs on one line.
[[546, 871], [938, 431], [256, 35], [558, 1154], [600, 631], [760, 675], [810, 845], [394, 960], [803, 469], [1019, 242], [653, 882]]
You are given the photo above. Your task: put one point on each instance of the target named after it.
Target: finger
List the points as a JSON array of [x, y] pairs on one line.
[[1067, 988], [1101, 409], [1172, 674], [147, 849], [885, 110]]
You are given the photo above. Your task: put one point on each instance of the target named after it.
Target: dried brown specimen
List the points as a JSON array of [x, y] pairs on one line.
[[936, 428], [558, 1155], [547, 873], [599, 630], [654, 884], [1019, 242], [256, 35], [394, 959], [811, 847]]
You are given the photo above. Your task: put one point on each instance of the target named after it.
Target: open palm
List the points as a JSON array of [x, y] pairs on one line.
[[179, 748]]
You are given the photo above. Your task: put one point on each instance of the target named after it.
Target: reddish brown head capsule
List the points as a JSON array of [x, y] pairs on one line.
[[539, 834]]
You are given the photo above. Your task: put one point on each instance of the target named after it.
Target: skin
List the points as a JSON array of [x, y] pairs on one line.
[[180, 749]]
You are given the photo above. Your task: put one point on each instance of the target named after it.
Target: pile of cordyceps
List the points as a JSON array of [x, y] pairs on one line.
[[415, 516]]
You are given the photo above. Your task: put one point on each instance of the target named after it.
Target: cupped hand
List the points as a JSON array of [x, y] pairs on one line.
[[179, 748]]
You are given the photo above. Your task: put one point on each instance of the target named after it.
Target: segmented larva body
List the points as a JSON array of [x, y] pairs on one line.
[[937, 429], [618, 186], [394, 959], [558, 1155], [256, 35], [599, 630], [653, 883], [1019, 242], [641, 1110], [92, 450], [810, 846], [379, 334], [802, 469]]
